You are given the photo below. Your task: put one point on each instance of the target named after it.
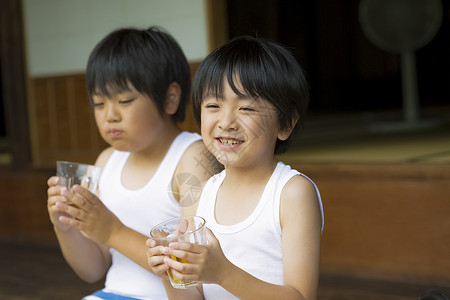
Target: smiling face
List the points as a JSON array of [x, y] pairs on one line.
[[238, 129], [128, 120]]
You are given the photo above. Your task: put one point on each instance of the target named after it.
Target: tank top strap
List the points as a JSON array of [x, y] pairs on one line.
[[175, 152]]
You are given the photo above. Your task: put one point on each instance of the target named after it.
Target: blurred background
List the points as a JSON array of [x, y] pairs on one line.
[[376, 138]]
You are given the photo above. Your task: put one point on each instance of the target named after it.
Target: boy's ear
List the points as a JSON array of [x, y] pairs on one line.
[[172, 98], [285, 133]]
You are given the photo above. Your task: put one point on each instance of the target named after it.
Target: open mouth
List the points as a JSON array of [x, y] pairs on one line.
[[229, 142]]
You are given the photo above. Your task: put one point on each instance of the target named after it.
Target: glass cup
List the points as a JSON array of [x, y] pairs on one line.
[[185, 229], [71, 173]]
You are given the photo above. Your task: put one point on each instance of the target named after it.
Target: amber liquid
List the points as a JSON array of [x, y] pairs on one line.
[[177, 283]]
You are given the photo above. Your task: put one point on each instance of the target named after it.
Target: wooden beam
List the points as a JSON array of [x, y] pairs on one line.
[[216, 23]]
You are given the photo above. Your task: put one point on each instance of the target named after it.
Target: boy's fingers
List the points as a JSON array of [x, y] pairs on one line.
[[53, 180], [170, 262], [53, 191], [186, 246], [155, 251], [86, 194], [181, 228], [150, 243]]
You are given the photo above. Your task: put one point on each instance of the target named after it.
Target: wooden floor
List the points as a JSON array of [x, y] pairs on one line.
[[40, 272]]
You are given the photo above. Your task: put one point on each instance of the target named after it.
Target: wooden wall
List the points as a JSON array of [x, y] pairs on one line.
[[62, 122], [386, 221], [23, 207]]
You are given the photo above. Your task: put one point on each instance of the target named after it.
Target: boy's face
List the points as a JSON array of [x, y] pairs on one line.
[[128, 120], [239, 131]]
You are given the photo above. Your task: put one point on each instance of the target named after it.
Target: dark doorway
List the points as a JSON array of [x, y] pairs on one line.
[[2, 113], [14, 115], [346, 71]]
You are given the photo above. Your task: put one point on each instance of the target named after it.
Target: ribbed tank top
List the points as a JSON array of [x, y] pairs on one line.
[[140, 210], [259, 250]]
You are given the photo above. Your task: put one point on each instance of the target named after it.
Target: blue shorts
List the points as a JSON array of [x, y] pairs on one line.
[[101, 295]]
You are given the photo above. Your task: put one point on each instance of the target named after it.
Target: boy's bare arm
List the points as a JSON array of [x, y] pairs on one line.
[[196, 166], [100, 226], [89, 260], [85, 245], [301, 225]]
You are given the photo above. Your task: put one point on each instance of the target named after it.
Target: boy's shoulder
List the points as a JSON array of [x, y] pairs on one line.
[[297, 179], [197, 156], [298, 184]]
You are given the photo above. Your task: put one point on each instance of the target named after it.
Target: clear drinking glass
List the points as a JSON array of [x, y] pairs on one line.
[[71, 173], [185, 229]]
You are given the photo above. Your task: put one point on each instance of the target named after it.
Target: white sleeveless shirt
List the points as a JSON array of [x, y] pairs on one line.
[[140, 210], [259, 250]]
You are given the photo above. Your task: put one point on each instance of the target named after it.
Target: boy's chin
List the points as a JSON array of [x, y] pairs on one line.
[[226, 162]]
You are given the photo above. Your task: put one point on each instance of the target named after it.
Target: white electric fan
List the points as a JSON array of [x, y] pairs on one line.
[[402, 27]]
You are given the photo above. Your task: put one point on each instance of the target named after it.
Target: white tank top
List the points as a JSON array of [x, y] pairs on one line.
[[140, 210], [259, 250]]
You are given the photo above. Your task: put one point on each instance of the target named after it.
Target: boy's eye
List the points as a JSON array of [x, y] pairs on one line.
[[98, 104], [247, 109], [126, 101], [211, 106]]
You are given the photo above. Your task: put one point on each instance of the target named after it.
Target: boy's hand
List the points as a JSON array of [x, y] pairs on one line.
[[89, 215], [156, 253], [207, 263], [156, 259], [53, 198]]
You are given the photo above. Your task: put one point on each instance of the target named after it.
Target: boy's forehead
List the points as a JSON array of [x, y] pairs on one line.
[[231, 86], [113, 89], [225, 91]]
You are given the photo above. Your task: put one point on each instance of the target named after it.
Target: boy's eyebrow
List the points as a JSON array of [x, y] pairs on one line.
[[221, 97], [213, 95]]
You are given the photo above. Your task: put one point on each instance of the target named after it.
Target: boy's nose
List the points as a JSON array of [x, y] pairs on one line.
[[112, 114], [228, 121]]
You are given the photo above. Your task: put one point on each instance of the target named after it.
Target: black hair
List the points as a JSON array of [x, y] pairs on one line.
[[150, 60], [265, 70]]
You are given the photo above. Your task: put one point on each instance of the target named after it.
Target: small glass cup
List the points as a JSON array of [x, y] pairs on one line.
[[71, 173], [185, 229]]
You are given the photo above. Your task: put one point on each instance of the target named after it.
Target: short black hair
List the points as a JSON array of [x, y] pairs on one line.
[[265, 70], [148, 59]]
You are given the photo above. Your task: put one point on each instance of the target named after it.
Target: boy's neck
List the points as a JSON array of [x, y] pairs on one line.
[[241, 191], [142, 165], [160, 147], [255, 175]]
